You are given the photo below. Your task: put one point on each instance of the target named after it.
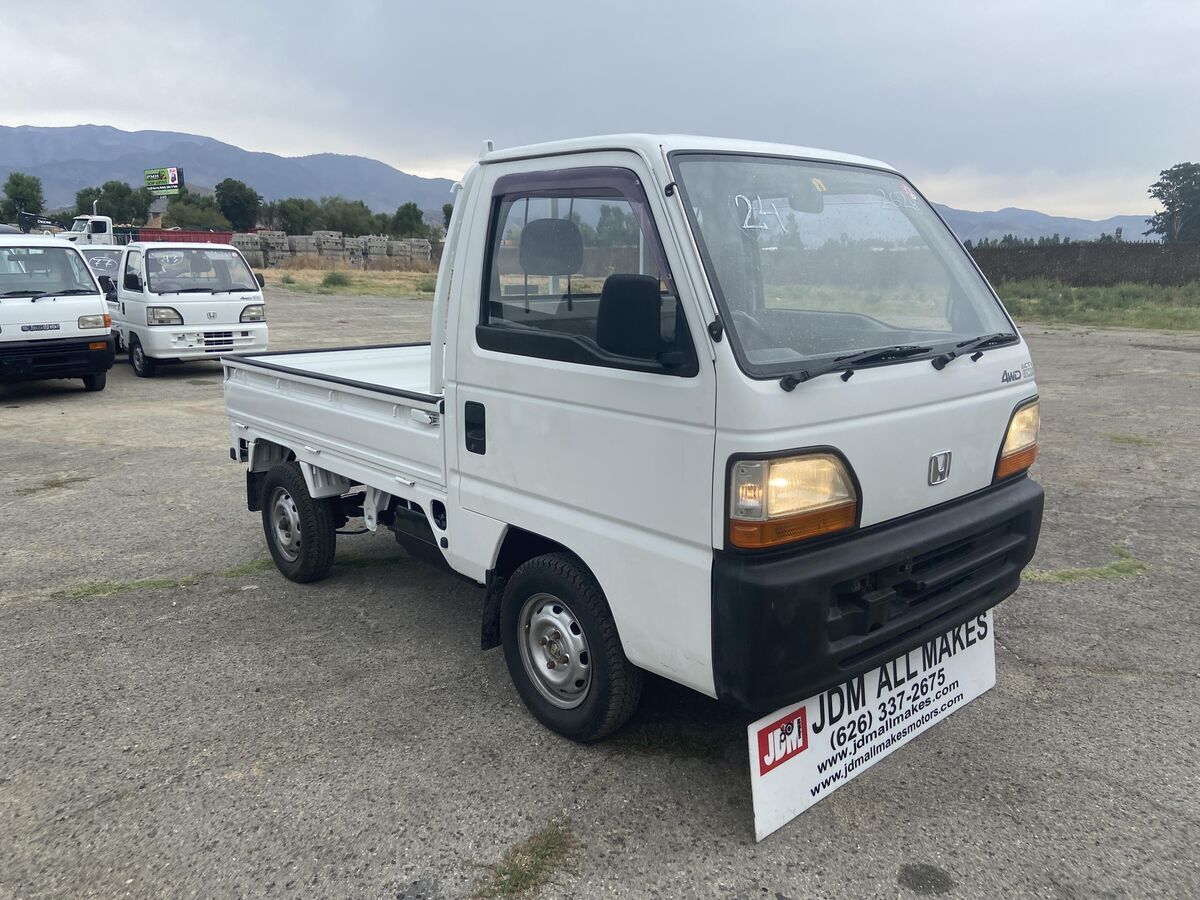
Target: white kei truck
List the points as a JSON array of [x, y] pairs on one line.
[[176, 302], [53, 320], [743, 415]]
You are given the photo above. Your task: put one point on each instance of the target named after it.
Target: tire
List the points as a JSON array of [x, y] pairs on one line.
[[143, 366], [301, 532], [95, 382], [116, 341], [592, 689]]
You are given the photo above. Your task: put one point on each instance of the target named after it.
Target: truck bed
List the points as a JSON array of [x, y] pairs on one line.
[[364, 413]]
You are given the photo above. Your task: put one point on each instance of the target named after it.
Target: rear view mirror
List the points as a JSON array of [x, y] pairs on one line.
[[262, 282], [132, 281], [108, 286], [808, 198]]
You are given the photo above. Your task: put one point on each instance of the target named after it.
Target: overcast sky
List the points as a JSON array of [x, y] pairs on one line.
[[1066, 107]]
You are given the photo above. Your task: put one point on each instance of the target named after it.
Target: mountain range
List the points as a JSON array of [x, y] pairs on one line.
[[71, 158]]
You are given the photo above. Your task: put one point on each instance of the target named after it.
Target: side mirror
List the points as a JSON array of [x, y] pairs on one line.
[[262, 282], [132, 281], [108, 286]]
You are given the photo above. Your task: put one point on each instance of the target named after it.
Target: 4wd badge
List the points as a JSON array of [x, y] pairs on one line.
[[939, 467]]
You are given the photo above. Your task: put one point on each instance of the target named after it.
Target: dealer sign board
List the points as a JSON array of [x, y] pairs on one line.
[[165, 182], [804, 752]]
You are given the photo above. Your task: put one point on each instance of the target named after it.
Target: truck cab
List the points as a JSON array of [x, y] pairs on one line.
[[53, 319], [90, 230], [177, 301], [743, 415]]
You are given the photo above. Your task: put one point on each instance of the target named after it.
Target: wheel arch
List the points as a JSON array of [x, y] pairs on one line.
[[517, 546]]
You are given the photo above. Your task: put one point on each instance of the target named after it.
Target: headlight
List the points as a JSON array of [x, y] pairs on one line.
[[163, 315], [776, 501], [256, 312], [1020, 447], [103, 321]]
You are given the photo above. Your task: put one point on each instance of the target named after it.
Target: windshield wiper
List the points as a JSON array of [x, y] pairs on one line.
[[38, 295], [846, 364], [193, 290], [977, 344], [233, 290]]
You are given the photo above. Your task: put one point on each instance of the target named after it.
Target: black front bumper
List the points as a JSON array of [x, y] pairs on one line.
[[790, 623], [55, 358]]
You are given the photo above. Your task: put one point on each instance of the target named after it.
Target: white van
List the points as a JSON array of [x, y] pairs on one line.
[[186, 301], [53, 321]]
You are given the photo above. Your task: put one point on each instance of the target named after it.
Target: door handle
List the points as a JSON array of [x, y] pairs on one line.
[[475, 427]]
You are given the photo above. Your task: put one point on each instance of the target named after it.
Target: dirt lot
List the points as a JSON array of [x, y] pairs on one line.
[[176, 719]]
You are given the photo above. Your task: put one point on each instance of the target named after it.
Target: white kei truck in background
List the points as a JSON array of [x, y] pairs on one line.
[[185, 301], [743, 415], [53, 320], [90, 230]]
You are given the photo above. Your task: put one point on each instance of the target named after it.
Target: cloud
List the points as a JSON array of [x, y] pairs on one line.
[[1093, 95]]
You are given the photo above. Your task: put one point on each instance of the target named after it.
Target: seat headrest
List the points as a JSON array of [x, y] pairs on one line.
[[551, 247], [629, 320]]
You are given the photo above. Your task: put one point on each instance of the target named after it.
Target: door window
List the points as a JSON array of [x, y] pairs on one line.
[[576, 272], [133, 271]]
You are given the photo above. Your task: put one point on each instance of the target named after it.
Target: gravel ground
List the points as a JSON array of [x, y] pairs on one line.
[[223, 732]]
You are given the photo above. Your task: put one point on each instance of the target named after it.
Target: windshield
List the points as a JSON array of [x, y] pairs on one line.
[[812, 261], [102, 262], [78, 224], [177, 269], [25, 271]]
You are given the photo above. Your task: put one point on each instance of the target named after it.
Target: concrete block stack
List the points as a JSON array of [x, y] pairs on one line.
[[274, 247], [250, 247], [329, 243], [303, 246], [376, 246]]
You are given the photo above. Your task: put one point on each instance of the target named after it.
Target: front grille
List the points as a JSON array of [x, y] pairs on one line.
[[45, 355], [921, 587], [218, 340]]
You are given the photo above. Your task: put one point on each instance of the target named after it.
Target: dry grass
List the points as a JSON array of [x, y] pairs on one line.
[[1124, 566], [418, 285], [530, 864]]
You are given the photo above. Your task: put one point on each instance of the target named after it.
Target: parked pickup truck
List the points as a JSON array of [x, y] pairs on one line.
[[53, 321], [743, 415], [185, 301]]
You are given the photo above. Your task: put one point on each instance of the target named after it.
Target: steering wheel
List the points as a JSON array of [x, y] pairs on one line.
[[748, 325]]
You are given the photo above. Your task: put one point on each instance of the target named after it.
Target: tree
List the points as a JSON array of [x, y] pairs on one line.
[[117, 200], [447, 212], [195, 212], [616, 227], [239, 203], [1178, 190], [22, 193], [298, 215], [351, 217], [409, 222]]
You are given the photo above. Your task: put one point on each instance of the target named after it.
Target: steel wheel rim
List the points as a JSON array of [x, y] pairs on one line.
[[139, 359], [554, 651], [285, 524]]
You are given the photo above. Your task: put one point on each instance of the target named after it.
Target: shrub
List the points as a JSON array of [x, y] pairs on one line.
[[427, 285], [287, 279], [335, 279]]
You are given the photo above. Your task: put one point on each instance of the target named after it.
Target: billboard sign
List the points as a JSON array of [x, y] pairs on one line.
[[165, 182]]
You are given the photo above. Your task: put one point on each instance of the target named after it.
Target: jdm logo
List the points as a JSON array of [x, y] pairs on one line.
[[780, 741]]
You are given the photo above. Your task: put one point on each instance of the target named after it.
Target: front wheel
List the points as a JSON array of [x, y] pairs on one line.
[[95, 382], [143, 366], [562, 649], [301, 532]]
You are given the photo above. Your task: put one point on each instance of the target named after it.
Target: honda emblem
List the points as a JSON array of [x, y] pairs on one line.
[[212, 315], [939, 467]]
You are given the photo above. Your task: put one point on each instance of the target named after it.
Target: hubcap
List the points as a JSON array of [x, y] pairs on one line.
[[285, 521], [138, 359], [555, 651]]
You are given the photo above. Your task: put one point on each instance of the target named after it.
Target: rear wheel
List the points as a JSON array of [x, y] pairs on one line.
[[301, 532], [143, 366], [95, 382], [563, 651]]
